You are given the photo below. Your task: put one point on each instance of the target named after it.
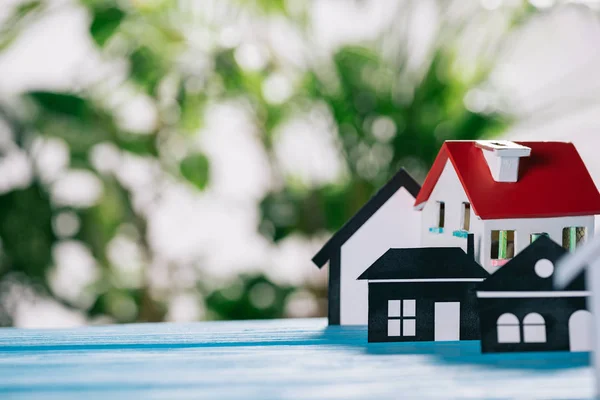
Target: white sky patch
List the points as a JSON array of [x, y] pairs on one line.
[[290, 262], [75, 268], [230, 36], [136, 171], [251, 56], [306, 149], [66, 224], [136, 113], [55, 53], [239, 168], [15, 171], [127, 262], [77, 188], [423, 27], [277, 88], [301, 304], [51, 156], [336, 23], [552, 61], [44, 313], [287, 42], [187, 226], [105, 157], [185, 307]]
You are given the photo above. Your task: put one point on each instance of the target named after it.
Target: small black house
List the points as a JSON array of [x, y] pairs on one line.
[[423, 294], [520, 310]]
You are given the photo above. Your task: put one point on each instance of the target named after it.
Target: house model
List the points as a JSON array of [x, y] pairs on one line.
[[507, 194], [521, 310], [568, 270], [423, 294], [387, 220]]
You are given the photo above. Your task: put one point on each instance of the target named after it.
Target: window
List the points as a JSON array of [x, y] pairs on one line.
[[573, 237], [466, 216], [509, 330], [536, 236], [402, 317], [534, 328], [441, 214], [503, 245], [441, 218]]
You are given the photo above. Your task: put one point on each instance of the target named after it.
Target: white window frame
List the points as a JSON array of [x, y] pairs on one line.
[[571, 232], [466, 210], [402, 318], [441, 215], [508, 328], [534, 328]]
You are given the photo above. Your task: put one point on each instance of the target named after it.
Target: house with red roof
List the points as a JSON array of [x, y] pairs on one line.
[[507, 194]]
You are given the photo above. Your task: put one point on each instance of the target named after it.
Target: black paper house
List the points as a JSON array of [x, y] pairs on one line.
[[520, 310], [423, 294]]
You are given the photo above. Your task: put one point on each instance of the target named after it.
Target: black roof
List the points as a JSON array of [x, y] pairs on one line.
[[401, 179], [519, 273], [424, 263]]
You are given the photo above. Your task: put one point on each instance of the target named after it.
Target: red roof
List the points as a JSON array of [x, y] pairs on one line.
[[553, 182]]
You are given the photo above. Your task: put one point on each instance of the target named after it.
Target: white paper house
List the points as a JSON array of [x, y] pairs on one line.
[[507, 194], [567, 269], [386, 220]]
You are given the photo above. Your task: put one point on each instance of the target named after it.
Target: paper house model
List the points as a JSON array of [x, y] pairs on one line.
[[507, 194], [586, 258], [423, 294], [387, 220], [521, 310]]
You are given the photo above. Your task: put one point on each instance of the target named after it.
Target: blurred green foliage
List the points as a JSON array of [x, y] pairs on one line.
[[385, 116]]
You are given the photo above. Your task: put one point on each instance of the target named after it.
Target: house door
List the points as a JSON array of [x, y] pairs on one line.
[[580, 331], [447, 321]]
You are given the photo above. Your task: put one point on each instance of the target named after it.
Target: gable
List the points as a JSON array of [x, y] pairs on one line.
[[553, 182], [450, 191], [519, 274], [402, 179]]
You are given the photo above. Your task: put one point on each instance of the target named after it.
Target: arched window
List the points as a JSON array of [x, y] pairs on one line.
[[508, 329], [534, 328]]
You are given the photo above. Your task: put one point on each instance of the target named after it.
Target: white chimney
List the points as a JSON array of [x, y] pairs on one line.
[[502, 157]]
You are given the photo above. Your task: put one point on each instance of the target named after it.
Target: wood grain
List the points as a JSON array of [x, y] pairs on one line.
[[279, 359]]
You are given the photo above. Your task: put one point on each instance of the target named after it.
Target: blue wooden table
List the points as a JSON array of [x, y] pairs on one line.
[[280, 359]]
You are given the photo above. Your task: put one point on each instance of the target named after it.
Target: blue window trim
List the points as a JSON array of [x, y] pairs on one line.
[[461, 233], [436, 230]]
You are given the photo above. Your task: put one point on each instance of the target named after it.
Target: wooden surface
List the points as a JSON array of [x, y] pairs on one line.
[[287, 359]]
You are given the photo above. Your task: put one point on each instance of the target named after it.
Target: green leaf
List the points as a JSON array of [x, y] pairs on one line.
[[26, 231], [27, 7], [62, 103], [137, 143], [14, 24], [266, 6], [195, 168], [147, 68], [105, 23], [191, 110]]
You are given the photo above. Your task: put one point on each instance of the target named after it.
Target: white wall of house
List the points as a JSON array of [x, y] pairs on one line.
[[395, 225], [449, 190], [524, 228]]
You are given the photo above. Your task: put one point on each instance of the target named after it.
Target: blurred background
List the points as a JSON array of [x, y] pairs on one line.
[[179, 160]]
